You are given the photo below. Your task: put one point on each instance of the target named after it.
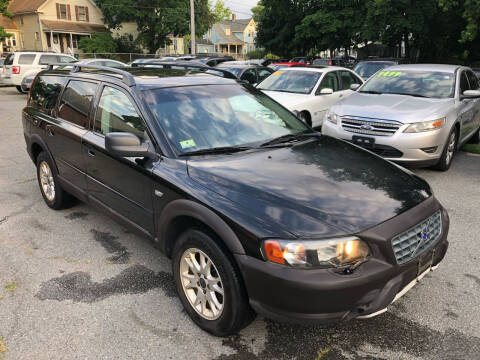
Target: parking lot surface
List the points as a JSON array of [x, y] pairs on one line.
[[76, 285]]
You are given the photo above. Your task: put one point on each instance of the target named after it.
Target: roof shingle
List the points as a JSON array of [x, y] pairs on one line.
[[7, 23], [72, 26], [18, 6]]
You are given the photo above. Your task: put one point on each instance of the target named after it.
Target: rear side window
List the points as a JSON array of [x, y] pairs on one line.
[[9, 59], [48, 59], [66, 59], [330, 81], [76, 102], [45, 91], [26, 59]]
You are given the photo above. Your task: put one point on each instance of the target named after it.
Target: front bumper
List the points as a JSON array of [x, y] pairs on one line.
[[410, 145], [326, 295]]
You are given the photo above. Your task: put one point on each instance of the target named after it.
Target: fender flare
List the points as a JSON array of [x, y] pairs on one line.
[[35, 138], [183, 207]]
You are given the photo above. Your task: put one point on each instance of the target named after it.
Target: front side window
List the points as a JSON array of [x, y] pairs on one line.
[[76, 102], [26, 59], [464, 85], [295, 81], [48, 59], [197, 118], [263, 74], [348, 79], [430, 84], [250, 76], [45, 91], [116, 113], [329, 81], [472, 80]]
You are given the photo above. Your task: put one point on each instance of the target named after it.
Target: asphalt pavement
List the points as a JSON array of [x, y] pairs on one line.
[[76, 285]]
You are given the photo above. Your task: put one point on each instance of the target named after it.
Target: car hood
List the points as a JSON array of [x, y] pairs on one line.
[[406, 109], [318, 188], [287, 99]]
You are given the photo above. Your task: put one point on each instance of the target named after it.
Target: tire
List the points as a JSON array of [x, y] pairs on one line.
[[305, 117], [55, 197], [233, 312], [448, 151], [19, 89], [475, 139]]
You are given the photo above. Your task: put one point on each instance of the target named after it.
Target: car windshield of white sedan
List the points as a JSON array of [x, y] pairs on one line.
[[215, 116], [413, 83], [300, 82]]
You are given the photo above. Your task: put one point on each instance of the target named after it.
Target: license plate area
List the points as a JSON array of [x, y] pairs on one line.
[[364, 141], [425, 262]]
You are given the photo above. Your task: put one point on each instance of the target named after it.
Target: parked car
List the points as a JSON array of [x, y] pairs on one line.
[[310, 91], [258, 213], [103, 62], [330, 62], [282, 65], [214, 61], [253, 74], [302, 59], [369, 67], [414, 114], [19, 64]]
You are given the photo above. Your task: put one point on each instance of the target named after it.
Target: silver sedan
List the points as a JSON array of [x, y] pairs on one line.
[[413, 114]]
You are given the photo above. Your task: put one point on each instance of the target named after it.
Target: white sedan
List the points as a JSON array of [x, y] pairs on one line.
[[310, 91]]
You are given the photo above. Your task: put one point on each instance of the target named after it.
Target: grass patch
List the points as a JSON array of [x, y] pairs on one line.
[[472, 148], [11, 287], [3, 347]]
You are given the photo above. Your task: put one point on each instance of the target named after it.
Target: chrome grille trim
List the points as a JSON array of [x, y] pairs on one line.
[[416, 240], [378, 127]]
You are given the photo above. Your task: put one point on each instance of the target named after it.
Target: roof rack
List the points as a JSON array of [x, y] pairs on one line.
[[127, 78], [187, 66]]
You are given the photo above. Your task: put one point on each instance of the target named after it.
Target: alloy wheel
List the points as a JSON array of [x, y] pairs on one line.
[[451, 147], [47, 182], [202, 284]]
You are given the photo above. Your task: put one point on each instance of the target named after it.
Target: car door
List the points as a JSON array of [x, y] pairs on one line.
[[121, 185], [474, 85], [65, 132], [323, 102], [467, 108]]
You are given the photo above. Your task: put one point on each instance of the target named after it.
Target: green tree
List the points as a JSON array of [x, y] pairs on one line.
[[220, 11], [256, 11], [100, 42], [157, 19], [4, 12]]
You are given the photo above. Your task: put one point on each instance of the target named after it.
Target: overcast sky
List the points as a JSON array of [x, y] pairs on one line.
[[241, 7]]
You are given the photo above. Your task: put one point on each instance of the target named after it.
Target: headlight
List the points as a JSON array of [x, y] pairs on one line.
[[332, 117], [425, 126], [329, 253]]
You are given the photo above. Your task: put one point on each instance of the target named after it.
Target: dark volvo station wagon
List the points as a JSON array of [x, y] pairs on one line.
[[258, 213]]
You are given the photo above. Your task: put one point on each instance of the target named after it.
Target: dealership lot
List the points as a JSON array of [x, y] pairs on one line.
[[74, 284]]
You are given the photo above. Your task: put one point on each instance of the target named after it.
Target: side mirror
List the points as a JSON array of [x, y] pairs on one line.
[[354, 87], [326, 91], [471, 94], [126, 145]]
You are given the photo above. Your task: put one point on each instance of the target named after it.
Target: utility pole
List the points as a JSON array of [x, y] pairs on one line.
[[192, 27]]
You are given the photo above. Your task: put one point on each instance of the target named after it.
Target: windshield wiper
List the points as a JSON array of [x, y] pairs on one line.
[[407, 94], [218, 150], [289, 137], [371, 92]]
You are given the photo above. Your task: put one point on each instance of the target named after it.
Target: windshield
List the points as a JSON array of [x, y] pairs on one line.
[[212, 116], [234, 71], [416, 83], [300, 82], [367, 69]]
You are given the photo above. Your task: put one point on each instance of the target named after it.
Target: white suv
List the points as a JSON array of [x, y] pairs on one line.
[[19, 64]]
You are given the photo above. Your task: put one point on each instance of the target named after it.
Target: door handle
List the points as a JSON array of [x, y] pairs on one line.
[[50, 130], [91, 152]]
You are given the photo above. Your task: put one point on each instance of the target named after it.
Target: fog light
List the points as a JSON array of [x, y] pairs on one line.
[[430, 150]]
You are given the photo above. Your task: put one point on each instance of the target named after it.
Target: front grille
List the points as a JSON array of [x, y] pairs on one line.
[[416, 240], [367, 126], [386, 151]]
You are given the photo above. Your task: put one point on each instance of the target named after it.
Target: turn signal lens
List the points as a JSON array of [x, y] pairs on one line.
[[15, 70], [425, 126], [273, 252]]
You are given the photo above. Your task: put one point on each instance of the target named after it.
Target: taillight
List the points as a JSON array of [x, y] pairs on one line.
[[15, 69], [330, 62]]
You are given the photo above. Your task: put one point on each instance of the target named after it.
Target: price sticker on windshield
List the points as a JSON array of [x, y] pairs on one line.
[[389, 74], [276, 73], [187, 144]]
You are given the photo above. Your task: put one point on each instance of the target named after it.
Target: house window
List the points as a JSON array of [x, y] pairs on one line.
[[62, 11], [82, 13], [228, 32], [75, 41], [21, 20]]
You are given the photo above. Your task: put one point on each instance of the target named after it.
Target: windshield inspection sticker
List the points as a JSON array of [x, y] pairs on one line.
[[186, 144], [389, 73]]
